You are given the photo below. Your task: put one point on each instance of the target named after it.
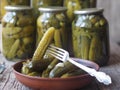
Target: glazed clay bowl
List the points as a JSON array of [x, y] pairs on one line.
[[70, 83]]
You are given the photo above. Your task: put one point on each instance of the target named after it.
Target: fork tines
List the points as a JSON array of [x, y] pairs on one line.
[[57, 48], [56, 52]]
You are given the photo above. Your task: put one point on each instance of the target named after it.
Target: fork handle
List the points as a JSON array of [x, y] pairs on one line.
[[100, 76]]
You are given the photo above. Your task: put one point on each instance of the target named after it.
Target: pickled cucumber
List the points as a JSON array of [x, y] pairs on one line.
[[12, 53], [57, 38], [61, 68], [49, 68], [43, 44], [27, 40], [95, 49], [24, 21], [10, 31], [73, 73], [85, 45], [40, 65], [73, 5], [30, 66], [7, 44], [25, 68]]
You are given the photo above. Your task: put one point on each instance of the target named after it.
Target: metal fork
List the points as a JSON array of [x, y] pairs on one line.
[[63, 55]]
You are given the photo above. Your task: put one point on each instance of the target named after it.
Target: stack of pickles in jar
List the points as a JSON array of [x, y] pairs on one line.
[[53, 17], [18, 33], [90, 36]]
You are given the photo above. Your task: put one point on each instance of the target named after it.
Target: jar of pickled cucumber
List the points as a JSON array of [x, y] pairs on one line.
[[43, 3], [18, 2], [53, 17], [73, 5], [18, 33], [4, 3], [90, 36]]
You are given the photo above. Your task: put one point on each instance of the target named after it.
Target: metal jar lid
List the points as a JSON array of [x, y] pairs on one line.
[[52, 9], [16, 8], [89, 11]]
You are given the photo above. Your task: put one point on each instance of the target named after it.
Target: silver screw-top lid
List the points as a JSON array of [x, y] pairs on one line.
[[89, 11], [52, 9], [18, 7]]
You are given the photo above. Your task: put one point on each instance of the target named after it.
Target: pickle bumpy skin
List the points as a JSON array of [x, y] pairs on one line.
[[49, 68], [43, 44], [95, 49], [57, 38], [62, 68], [85, 45], [13, 50]]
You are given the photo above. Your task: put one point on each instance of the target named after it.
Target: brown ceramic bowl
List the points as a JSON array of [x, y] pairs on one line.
[[71, 83]]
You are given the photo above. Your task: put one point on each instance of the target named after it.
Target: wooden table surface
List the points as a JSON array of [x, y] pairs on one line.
[[9, 82]]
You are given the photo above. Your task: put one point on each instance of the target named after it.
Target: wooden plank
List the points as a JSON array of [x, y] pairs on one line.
[[113, 69], [9, 82]]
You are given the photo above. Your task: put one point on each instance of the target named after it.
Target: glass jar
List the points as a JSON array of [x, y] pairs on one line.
[[43, 3], [4, 3], [93, 3], [0, 11], [73, 5], [53, 17], [18, 33], [90, 36], [18, 2]]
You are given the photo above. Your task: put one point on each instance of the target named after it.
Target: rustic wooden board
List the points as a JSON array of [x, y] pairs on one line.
[[8, 81], [113, 69], [112, 14]]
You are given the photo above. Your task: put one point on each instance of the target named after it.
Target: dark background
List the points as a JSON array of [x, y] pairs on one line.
[[112, 14]]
